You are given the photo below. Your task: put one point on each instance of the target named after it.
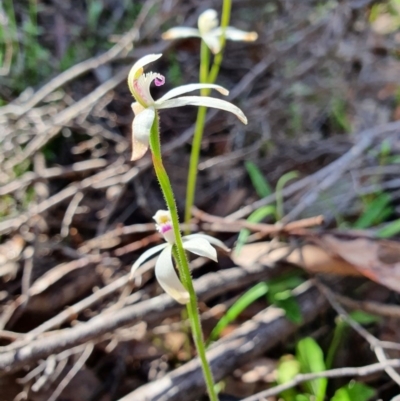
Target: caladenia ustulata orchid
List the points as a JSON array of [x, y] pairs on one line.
[[199, 244], [209, 31], [145, 108], [145, 132]]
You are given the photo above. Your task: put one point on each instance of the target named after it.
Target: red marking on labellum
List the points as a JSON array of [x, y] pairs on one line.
[[165, 228], [160, 80]]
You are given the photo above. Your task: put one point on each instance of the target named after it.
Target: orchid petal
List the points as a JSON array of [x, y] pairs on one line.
[[180, 32], [167, 277], [213, 42], [141, 87], [234, 34], [137, 69], [138, 66], [144, 256], [209, 238], [200, 246], [141, 127], [180, 90], [207, 21], [203, 101]]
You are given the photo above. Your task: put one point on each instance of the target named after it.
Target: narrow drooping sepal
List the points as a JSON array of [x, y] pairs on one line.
[[168, 279], [144, 256], [141, 127]]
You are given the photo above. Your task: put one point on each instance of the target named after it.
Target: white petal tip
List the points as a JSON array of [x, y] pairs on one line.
[[251, 37], [168, 36], [138, 150], [183, 298], [242, 117], [223, 91]]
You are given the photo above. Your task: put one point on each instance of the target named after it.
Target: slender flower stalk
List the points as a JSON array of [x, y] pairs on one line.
[[208, 76], [145, 134], [178, 251]]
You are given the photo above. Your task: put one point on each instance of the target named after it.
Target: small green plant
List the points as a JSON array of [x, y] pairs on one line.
[[277, 292], [175, 72], [377, 208], [390, 230], [94, 10], [309, 358], [354, 391], [263, 189], [260, 183], [338, 115]]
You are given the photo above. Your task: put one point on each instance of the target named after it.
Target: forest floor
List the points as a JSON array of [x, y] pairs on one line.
[[306, 194]]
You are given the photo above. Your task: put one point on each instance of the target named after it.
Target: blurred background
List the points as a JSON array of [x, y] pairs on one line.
[[321, 82]]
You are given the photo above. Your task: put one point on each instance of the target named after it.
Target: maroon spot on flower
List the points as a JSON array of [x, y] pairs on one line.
[[160, 80]]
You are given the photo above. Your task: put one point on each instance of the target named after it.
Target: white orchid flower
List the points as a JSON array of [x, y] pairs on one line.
[[199, 244], [146, 107], [210, 32]]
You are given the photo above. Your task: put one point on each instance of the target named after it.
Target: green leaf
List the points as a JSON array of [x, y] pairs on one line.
[[311, 360], [258, 180], [390, 230], [362, 317], [255, 217], [278, 190], [289, 304], [302, 397], [238, 307], [288, 368], [339, 115], [95, 8], [284, 282], [354, 391], [375, 212], [338, 335]]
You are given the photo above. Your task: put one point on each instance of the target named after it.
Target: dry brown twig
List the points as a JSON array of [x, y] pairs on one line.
[[224, 224], [324, 177], [72, 373], [376, 308], [377, 345], [262, 332], [209, 286], [330, 374]]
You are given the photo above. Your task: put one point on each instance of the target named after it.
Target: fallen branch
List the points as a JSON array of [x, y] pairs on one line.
[[253, 338], [152, 310]]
